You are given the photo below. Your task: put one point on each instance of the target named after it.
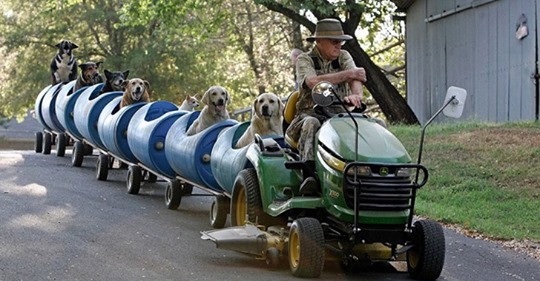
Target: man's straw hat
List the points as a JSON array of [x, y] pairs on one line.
[[329, 29]]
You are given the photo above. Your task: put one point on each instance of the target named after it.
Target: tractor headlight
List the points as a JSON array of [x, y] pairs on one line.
[[403, 172], [361, 171], [332, 161]]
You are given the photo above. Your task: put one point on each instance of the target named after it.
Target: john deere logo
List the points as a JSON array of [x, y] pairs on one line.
[[383, 171]]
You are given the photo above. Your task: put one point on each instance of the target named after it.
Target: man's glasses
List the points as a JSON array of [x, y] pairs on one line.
[[337, 42]]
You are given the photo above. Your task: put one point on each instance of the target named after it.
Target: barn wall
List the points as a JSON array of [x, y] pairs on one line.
[[472, 44]]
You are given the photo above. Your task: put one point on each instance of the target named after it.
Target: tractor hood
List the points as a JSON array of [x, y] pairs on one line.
[[375, 143]]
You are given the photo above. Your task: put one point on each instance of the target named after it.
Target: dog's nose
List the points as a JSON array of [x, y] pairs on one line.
[[221, 102], [265, 110]]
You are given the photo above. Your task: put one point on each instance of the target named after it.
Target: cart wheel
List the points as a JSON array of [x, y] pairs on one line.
[[133, 179], [218, 211], [272, 257], [102, 167], [425, 260], [246, 201], [173, 194], [47, 143], [38, 145], [306, 248], [61, 145], [77, 155], [187, 189]]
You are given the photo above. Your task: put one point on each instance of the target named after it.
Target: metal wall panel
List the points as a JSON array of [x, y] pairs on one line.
[[473, 47]]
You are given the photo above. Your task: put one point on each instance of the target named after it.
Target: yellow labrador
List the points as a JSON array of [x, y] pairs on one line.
[[136, 90], [266, 119], [216, 99]]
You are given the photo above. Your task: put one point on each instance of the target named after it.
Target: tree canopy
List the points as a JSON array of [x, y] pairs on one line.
[[185, 46]]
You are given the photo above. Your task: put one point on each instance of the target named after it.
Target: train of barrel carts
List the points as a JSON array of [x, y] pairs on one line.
[[362, 209]]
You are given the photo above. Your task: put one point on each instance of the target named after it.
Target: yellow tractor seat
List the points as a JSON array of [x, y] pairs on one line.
[[288, 115]]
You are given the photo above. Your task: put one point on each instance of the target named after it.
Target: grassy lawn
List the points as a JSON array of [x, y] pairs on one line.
[[483, 177]]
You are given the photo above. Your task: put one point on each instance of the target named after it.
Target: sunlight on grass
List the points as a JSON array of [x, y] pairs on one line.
[[483, 177]]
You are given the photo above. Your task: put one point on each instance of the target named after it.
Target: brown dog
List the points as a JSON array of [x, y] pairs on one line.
[[89, 75], [266, 119], [136, 90], [215, 99]]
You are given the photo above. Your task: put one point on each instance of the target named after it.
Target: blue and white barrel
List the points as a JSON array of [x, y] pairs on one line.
[[113, 125], [87, 111], [147, 131], [65, 108], [189, 156], [45, 108]]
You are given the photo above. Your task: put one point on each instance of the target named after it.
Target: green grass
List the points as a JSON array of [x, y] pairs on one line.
[[483, 177]]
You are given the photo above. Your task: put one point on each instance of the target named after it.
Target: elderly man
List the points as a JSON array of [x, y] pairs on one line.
[[325, 62]]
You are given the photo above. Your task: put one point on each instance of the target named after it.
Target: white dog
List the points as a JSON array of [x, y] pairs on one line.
[[189, 103], [266, 119], [216, 100]]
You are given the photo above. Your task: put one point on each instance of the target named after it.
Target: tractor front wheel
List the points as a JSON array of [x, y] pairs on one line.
[[306, 248], [425, 260]]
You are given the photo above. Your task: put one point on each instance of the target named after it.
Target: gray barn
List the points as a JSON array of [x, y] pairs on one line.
[[488, 47]]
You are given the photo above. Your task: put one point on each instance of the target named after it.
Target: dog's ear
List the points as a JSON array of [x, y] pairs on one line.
[[126, 74], [58, 45], [254, 107], [146, 85], [206, 97], [73, 46], [228, 97], [98, 64], [281, 105], [124, 84], [108, 74]]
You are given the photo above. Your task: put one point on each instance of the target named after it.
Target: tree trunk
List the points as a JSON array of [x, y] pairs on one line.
[[392, 104]]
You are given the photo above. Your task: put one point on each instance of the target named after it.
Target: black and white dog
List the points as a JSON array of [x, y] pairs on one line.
[[114, 80], [64, 64]]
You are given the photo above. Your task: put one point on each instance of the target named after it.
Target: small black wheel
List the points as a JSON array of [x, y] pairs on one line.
[[425, 260], [133, 179], [306, 248], [47, 143], [38, 145], [173, 194], [272, 257], [102, 167], [61, 145], [219, 211], [77, 156]]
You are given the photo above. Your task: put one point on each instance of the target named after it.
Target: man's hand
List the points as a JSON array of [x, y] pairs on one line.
[[357, 73], [355, 100]]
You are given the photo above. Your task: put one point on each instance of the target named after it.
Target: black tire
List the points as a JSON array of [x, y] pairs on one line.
[[38, 145], [219, 211], [77, 156], [425, 260], [47, 143], [306, 248], [246, 200], [102, 167], [272, 257], [61, 145], [173, 194], [133, 182]]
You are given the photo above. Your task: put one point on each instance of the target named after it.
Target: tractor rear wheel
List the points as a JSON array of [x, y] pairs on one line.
[[306, 248], [425, 260], [246, 200]]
